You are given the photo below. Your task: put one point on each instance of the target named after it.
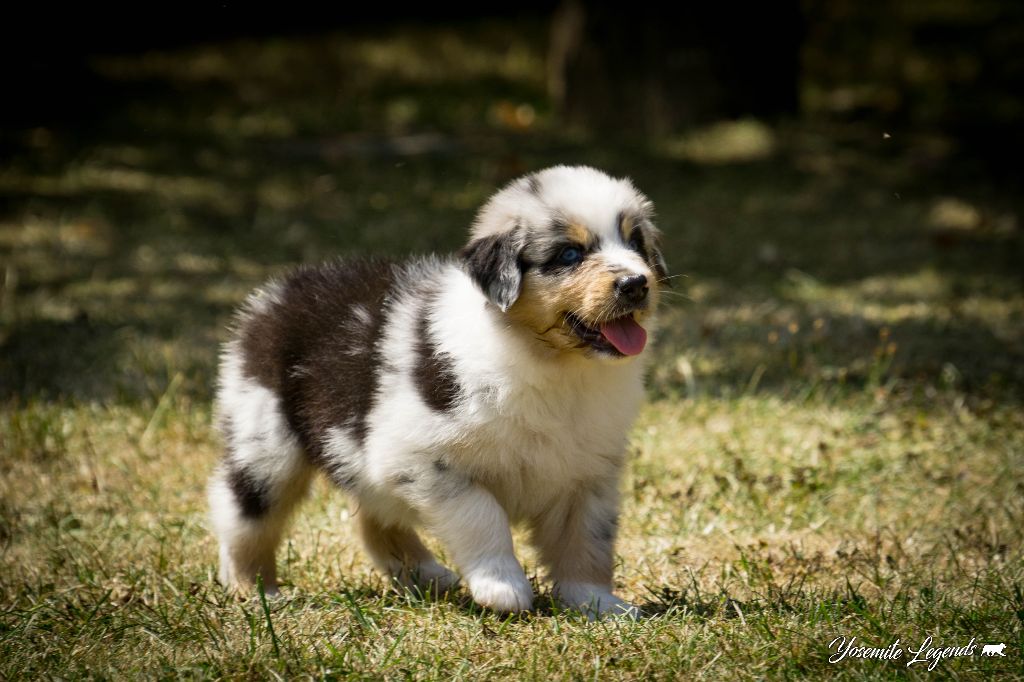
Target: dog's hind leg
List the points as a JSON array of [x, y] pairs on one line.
[[398, 553], [263, 476], [249, 510]]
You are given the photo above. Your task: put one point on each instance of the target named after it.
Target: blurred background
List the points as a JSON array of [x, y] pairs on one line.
[[838, 181]]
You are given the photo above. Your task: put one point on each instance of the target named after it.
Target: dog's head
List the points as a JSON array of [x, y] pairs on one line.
[[571, 254]]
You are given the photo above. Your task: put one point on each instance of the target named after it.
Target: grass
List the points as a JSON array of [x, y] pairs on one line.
[[834, 443]]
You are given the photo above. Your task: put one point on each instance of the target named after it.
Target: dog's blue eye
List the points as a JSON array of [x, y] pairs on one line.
[[570, 255], [634, 244]]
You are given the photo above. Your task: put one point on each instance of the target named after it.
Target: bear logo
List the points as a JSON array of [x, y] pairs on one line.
[[993, 650]]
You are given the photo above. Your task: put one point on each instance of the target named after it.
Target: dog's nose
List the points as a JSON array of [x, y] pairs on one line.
[[631, 288]]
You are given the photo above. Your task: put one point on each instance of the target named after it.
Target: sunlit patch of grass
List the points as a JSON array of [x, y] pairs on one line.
[[725, 142]]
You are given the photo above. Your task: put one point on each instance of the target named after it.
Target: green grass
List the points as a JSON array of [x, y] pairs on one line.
[[834, 443]]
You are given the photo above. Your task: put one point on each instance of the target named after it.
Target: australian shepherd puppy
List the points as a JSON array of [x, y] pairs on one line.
[[457, 395]]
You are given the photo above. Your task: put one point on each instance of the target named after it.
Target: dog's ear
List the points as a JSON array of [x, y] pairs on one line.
[[656, 260], [660, 267], [495, 264]]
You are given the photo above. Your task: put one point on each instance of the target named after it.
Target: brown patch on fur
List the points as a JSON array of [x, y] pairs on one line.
[[434, 374], [315, 332], [580, 234], [588, 292], [626, 227]]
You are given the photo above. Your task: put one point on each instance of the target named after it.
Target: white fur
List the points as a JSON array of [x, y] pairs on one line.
[[618, 257], [263, 298], [579, 193]]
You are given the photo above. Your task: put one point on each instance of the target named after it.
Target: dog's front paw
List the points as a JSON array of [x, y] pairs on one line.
[[503, 591], [594, 601]]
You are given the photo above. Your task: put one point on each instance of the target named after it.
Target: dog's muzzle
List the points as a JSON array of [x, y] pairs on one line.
[[620, 335]]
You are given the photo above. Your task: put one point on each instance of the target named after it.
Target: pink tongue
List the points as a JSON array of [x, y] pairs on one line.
[[625, 334]]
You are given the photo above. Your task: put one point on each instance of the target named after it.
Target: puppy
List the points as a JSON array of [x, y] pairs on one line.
[[457, 395]]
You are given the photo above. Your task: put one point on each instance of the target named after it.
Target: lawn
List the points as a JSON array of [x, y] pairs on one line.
[[833, 445]]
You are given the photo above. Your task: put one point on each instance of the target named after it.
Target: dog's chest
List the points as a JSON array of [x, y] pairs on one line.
[[531, 443]]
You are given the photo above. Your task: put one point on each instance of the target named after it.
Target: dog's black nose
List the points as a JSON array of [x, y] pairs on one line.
[[631, 288]]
